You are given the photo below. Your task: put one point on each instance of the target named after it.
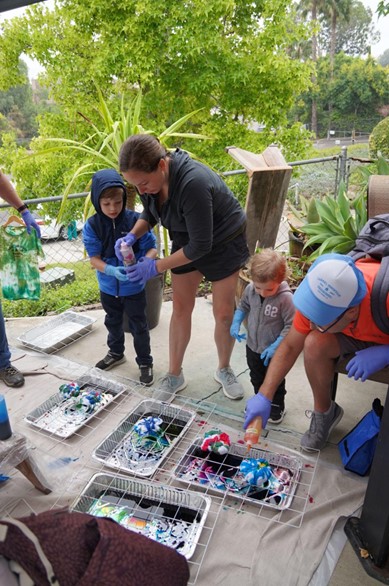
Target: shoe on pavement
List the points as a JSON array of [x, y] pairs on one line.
[[231, 387], [110, 361], [11, 376], [277, 413], [146, 374], [168, 386], [321, 426]]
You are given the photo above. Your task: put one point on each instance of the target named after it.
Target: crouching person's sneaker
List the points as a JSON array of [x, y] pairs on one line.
[[231, 387], [321, 426], [146, 374], [110, 361], [168, 386], [11, 376], [277, 413]]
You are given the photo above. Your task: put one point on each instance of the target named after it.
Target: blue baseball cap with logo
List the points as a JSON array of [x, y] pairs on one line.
[[332, 285]]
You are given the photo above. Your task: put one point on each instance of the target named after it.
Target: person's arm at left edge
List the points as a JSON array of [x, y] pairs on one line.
[[8, 193]]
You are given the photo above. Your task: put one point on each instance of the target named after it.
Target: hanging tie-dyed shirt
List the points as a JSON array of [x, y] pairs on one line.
[[19, 271]]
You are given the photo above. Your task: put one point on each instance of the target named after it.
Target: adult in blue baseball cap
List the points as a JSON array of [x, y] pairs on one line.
[[333, 319]]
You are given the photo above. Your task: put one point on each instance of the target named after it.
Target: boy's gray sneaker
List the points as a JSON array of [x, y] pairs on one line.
[[231, 387], [11, 376], [110, 361], [321, 426], [168, 386]]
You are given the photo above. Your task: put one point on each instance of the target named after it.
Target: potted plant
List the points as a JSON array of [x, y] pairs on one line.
[[307, 214]]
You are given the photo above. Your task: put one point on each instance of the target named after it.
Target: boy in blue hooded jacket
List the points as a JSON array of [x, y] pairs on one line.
[[117, 293]]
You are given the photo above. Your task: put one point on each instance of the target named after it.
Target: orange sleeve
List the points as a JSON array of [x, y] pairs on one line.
[[301, 323]]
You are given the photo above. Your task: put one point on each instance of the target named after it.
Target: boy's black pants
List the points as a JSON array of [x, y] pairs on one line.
[[257, 376], [135, 308]]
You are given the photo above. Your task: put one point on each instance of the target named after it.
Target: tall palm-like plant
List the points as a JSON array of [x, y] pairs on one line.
[[102, 146]]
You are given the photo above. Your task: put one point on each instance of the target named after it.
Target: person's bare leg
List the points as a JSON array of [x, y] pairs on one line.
[[184, 297], [223, 303], [320, 354]]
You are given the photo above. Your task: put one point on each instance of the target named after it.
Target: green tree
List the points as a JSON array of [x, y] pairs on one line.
[[16, 105], [354, 35], [379, 139], [314, 9], [383, 8], [337, 10], [227, 56], [384, 58], [357, 92]]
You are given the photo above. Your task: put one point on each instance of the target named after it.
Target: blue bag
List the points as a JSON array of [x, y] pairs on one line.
[[358, 446]]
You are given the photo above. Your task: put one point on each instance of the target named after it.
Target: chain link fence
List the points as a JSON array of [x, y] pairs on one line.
[[65, 259]]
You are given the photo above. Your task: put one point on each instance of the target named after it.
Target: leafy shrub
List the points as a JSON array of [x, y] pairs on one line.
[[379, 139]]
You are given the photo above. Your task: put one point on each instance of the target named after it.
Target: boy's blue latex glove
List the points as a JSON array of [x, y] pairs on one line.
[[257, 405], [239, 316], [269, 352], [367, 361], [30, 222], [143, 270], [130, 240], [118, 272]]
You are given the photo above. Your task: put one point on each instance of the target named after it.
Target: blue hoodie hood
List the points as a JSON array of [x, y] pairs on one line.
[[101, 181]]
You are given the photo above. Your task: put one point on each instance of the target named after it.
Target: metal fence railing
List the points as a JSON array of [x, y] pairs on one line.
[[311, 178]]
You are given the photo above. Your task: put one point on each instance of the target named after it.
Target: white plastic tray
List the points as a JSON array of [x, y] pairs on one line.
[[58, 332]]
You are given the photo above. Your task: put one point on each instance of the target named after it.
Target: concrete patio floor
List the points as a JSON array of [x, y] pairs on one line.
[[199, 366]]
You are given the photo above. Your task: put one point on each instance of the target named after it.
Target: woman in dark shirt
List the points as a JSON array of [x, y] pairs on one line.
[[206, 225]]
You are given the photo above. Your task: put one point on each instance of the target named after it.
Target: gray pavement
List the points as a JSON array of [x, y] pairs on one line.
[[199, 367]]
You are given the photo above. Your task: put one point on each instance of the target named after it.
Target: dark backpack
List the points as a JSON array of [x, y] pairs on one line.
[[373, 241]]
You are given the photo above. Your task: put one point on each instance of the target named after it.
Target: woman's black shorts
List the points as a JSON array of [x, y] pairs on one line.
[[222, 261]]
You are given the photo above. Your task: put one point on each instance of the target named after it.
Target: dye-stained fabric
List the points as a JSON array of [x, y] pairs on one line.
[[19, 272]]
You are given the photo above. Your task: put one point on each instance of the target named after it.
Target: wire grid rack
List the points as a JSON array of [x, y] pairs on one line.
[[58, 332], [93, 474]]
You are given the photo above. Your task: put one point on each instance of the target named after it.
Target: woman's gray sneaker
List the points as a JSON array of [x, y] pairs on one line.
[[168, 386], [231, 387]]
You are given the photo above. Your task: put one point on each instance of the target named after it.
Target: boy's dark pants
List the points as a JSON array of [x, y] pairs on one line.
[[135, 308], [257, 376]]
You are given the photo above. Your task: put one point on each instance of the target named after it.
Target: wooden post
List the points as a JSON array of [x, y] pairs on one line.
[[269, 176], [377, 195]]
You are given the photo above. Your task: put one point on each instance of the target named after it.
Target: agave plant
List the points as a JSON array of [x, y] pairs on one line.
[[307, 215], [380, 167], [340, 221]]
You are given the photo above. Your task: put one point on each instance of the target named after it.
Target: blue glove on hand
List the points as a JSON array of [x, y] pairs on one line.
[[130, 240], [257, 405], [30, 222], [142, 271], [269, 352], [239, 316], [367, 361], [118, 272]]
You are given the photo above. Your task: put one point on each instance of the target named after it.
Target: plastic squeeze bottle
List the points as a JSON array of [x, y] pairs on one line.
[[253, 432], [128, 254], [5, 427]]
